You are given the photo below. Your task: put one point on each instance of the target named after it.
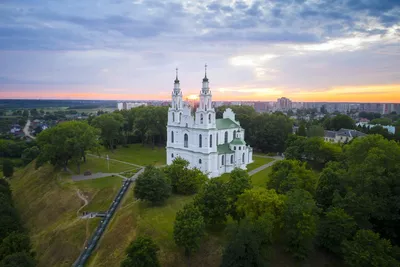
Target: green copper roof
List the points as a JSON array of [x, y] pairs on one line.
[[238, 141], [222, 149], [226, 124]]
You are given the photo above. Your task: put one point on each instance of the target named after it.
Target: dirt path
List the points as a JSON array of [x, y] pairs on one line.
[[120, 161], [26, 129], [82, 197]]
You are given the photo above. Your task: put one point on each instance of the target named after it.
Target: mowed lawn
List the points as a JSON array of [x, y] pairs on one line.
[[260, 179], [258, 162], [94, 165], [138, 154]]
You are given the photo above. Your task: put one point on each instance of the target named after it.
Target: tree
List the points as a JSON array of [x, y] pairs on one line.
[[20, 259], [270, 131], [184, 180], [340, 121], [244, 248], [141, 252], [30, 154], [25, 113], [189, 228], [239, 181], [13, 243], [253, 203], [300, 223], [110, 126], [315, 131], [8, 168], [152, 185], [212, 202], [367, 249], [330, 181], [67, 142], [302, 130], [335, 227], [289, 174]]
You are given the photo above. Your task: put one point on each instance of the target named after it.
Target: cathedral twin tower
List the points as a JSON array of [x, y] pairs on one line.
[[215, 146]]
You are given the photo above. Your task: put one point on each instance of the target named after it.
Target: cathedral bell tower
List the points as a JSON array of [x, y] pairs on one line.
[[175, 111], [205, 112]]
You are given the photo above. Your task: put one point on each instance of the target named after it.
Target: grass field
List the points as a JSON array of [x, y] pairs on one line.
[[260, 178], [257, 162], [138, 154], [94, 165]]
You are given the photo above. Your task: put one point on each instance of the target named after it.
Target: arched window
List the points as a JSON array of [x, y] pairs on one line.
[[172, 136], [200, 140], [180, 117], [210, 140], [234, 134], [240, 148], [172, 155], [234, 148], [226, 137], [199, 161], [243, 158], [231, 159], [217, 139], [222, 159], [201, 118], [173, 117], [209, 118], [185, 140]]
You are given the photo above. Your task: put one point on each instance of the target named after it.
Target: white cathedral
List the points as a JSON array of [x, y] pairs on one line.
[[214, 146]]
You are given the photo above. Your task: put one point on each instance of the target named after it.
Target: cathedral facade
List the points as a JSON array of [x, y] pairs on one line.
[[214, 146]]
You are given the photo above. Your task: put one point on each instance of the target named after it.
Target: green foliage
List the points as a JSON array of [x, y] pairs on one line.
[[338, 122], [189, 228], [30, 154], [20, 259], [239, 181], [367, 249], [141, 252], [152, 185], [244, 248], [369, 115], [335, 227], [330, 181], [8, 168], [110, 126], [184, 180], [253, 203], [12, 148], [315, 131], [302, 130], [382, 121], [13, 243], [270, 131], [66, 142], [290, 174], [300, 223], [212, 202]]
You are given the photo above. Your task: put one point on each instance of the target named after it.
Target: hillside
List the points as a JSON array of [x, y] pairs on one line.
[[48, 203]]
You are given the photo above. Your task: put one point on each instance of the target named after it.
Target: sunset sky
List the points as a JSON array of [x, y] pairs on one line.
[[328, 50]]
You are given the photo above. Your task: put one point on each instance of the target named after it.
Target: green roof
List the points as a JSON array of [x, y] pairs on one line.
[[222, 149], [238, 141], [226, 124]]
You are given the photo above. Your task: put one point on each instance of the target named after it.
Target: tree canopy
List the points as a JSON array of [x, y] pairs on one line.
[[141, 252]]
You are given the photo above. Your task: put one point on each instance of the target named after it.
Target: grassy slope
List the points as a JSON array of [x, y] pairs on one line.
[[48, 204], [100, 165]]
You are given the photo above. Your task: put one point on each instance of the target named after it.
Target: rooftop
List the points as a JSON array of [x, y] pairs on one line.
[[224, 149], [226, 124], [238, 141]]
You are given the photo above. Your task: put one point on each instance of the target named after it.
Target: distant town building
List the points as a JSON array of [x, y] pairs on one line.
[[128, 105], [342, 136], [391, 129], [283, 104], [389, 108]]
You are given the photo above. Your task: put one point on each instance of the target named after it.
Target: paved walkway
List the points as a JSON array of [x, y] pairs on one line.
[[120, 161], [263, 167], [81, 177]]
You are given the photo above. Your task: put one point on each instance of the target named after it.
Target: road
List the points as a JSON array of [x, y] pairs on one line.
[[26, 129]]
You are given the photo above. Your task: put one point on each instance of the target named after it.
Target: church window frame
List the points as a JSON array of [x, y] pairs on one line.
[[173, 117], [226, 137], [209, 118], [201, 118], [217, 139], [234, 134], [172, 155], [234, 148], [186, 140], [180, 117], [199, 161], [172, 136], [223, 160], [200, 140], [231, 159], [210, 140], [240, 148], [243, 158]]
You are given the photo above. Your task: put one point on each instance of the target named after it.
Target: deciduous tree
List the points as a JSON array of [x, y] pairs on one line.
[[141, 252], [239, 181], [8, 168], [110, 126]]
